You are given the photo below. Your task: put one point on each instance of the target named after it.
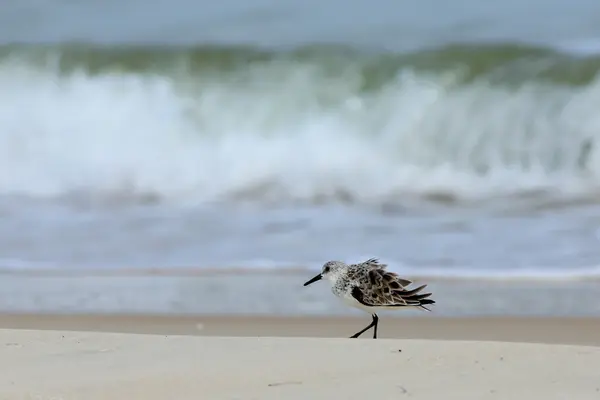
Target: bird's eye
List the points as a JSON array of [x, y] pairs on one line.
[[326, 269]]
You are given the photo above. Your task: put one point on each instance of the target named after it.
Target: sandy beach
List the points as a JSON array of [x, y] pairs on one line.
[[152, 357]]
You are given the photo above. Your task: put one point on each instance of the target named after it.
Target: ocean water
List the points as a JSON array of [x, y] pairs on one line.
[[452, 141]]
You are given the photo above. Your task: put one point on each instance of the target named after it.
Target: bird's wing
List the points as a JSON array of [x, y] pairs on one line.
[[380, 288], [379, 277], [372, 263]]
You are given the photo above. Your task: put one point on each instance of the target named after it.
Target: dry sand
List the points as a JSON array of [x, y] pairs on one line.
[[77, 358]]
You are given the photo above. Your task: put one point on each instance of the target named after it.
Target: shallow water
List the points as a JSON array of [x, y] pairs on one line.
[[278, 294]]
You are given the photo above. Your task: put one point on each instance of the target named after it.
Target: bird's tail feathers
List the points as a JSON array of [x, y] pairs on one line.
[[412, 298]]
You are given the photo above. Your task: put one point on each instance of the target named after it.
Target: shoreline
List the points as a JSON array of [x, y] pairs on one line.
[[579, 276], [548, 330]]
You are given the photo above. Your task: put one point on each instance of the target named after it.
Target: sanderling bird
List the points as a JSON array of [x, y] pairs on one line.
[[369, 287]]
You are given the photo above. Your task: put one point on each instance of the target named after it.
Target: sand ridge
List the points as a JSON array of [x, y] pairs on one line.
[[70, 365]]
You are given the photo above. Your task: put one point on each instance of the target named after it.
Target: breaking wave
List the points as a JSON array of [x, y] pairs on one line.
[[315, 124]]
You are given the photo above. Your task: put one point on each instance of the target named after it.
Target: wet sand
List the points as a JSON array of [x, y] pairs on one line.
[[582, 331]]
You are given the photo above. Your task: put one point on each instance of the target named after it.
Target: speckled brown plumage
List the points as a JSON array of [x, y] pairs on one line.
[[377, 287]]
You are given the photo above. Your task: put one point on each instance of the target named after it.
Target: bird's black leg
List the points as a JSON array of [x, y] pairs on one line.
[[375, 322], [372, 324]]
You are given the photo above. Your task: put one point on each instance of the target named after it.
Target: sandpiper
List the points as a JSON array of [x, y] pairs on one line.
[[369, 287]]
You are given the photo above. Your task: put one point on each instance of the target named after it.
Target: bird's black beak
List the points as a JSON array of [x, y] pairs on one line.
[[316, 278]]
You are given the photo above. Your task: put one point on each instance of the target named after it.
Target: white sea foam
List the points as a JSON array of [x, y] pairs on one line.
[[289, 131], [541, 274]]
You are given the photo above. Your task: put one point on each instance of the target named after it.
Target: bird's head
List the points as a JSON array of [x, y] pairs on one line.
[[330, 271]]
